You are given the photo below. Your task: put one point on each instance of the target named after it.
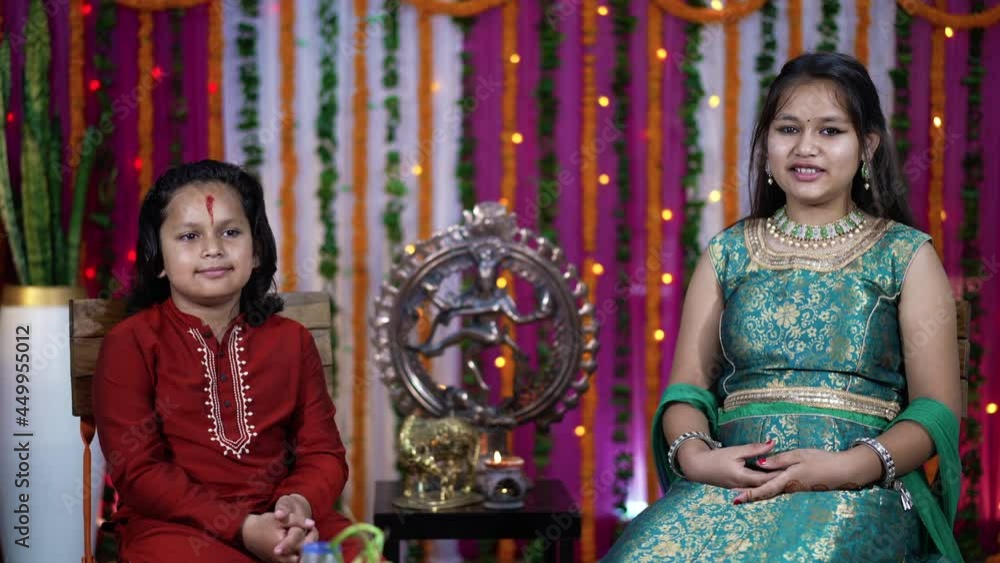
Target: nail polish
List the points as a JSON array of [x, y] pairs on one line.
[[761, 461], [737, 501], [769, 442]]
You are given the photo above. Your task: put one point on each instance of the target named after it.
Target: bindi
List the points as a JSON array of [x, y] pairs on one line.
[[209, 203]]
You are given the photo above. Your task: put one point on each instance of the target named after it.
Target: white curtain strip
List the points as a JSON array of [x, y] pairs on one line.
[[308, 227], [407, 134], [233, 100], [882, 51], [379, 447], [711, 123], [781, 31], [269, 113], [447, 128], [750, 47], [847, 27], [343, 290], [812, 13]]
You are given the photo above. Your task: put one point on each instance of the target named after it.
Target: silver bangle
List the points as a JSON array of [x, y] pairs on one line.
[[888, 465], [676, 444]]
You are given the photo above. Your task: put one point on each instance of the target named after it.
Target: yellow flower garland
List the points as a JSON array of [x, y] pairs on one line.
[[794, 28], [463, 9], [215, 50], [588, 181], [289, 158], [935, 194], [359, 260], [938, 16], [863, 8], [144, 102], [654, 234], [731, 109], [729, 14], [77, 102]]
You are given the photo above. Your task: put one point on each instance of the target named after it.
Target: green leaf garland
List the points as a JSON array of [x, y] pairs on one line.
[[694, 164], [466, 169], [967, 528], [623, 26], [326, 149], [767, 58], [548, 183], [827, 27], [395, 189], [900, 120], [248, 122], [179, 111]]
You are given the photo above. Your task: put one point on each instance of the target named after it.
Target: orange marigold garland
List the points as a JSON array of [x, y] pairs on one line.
[[863, 9], [731, 108], [654, 235], [359, 260], [794, 28], [938, 16], [733, 12], [461, 9], [426, 127], [508, 190], [509, 108], [289, 158]]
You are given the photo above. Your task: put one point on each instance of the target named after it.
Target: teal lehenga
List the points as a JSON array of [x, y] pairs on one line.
[[812, 359]]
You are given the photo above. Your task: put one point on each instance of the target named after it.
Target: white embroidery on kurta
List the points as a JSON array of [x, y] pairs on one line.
[[241, 444]]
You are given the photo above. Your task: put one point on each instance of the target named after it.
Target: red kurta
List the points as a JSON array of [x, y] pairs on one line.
[[199, 434]]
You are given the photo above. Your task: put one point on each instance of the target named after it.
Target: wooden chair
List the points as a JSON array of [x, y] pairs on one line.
[[90, 320]]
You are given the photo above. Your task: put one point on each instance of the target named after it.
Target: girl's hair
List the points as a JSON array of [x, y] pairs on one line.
[[148, 289], [858, 97]]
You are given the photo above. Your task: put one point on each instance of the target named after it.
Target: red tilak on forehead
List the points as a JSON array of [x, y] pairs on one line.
[[209, 202]]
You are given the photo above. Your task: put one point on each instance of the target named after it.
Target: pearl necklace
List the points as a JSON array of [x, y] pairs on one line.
[[814, 236]]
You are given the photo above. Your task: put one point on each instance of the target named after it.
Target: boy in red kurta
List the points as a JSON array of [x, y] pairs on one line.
[[211, 410]]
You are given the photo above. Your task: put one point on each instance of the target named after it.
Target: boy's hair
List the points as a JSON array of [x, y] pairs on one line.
[[148, 289]]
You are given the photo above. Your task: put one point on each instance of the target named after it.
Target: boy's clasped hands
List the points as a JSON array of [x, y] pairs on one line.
[[278, 537]]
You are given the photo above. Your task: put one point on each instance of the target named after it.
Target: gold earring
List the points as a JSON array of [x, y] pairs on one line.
[[864, 175]]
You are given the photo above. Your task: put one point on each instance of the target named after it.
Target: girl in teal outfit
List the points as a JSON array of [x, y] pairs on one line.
[[816, 366]]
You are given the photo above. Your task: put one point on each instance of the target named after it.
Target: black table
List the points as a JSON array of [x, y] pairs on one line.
[[549, 514]]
